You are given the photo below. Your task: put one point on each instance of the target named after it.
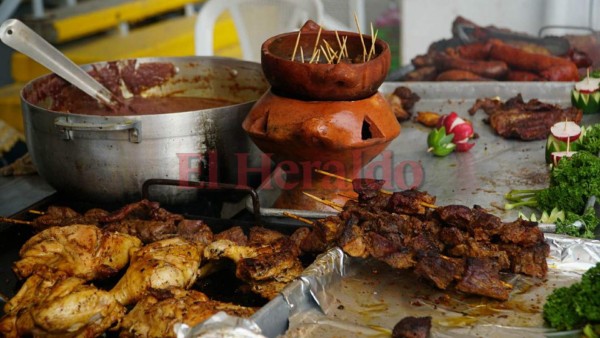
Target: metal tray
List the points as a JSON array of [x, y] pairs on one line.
[[481, 176], [343, 296]]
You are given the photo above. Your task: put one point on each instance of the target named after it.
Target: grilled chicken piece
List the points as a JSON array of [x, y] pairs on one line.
[[267, 263], [83, 251], [156, 314], [52, 304], [160, 265]]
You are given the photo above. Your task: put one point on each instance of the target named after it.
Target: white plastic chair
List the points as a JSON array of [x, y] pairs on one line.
[[255, 21]]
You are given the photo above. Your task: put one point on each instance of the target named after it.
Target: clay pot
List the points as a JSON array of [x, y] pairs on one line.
[[353, 78], [339, 137]]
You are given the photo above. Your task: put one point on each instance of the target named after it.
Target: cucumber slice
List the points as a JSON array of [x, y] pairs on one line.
[[588, 103], [554, 145]]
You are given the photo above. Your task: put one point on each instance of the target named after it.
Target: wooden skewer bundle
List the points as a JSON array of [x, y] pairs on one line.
[[331, 55]]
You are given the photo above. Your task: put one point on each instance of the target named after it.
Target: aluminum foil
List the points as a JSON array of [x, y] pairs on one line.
[[220, 325], [341, 296]]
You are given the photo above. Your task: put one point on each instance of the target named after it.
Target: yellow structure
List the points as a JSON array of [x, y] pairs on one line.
[[92, 16], [168, 37]]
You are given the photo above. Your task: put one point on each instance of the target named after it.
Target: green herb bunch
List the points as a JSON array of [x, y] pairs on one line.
[[576, 306]]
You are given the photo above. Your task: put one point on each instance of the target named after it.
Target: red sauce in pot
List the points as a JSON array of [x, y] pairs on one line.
[[135, 78], [139, 105]]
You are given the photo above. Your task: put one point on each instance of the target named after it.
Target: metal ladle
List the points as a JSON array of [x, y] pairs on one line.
[[18, 36]]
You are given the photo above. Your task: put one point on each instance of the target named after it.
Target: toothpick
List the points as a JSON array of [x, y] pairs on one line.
[[298, 218], [327, 56], [361, 37], [587, 78], [332, 53], [316, 47], [337, 37], [36, 212], [348, 196], [373, 40], [302, 54], [344, 48], [333, 175], [296, 45], [316, 56], [14, 221], [428, 205], [324, 201]]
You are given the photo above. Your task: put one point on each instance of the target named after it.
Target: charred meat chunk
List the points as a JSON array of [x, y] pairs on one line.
[[482, 277], [440, 269], [459, 216], [522, 120], [411, 201], [412, 327], [367, 188], [522, 232]]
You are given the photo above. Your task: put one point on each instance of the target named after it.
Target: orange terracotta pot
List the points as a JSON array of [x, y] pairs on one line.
[[339, 137]]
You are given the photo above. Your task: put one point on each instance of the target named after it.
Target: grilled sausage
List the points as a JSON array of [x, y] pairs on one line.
[[549, 67], [521, 75], [460, 75], [474, 51], [421, 74], [487, 69]]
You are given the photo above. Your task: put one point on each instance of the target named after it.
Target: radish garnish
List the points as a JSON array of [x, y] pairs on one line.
[[557, 155], [567, 131]]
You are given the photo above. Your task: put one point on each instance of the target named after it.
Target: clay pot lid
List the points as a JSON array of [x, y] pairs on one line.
[[352, 78]]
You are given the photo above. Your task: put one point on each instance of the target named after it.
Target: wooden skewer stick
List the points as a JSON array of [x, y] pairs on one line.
[[327, 56], [373, 39], [333, 175], [335, 57], [36, 212], [428, 205], [345, 179], [298, 218], [361, 37], [316, 56], [296, 46], [324, 201], [14, 221], [302, 54], [344, 48], [372, 43], [350, 197], [339, 41], [316, 47]]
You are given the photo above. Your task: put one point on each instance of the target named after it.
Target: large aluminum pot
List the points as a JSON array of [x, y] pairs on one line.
[[107, 158]]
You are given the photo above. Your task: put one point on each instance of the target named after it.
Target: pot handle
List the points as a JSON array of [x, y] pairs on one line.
[[67, 127]]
